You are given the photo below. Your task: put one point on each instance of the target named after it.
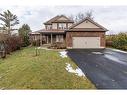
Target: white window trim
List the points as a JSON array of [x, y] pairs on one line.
[[62, 26]]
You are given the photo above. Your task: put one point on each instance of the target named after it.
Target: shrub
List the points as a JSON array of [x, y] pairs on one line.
[[109, 40], [120, 41], [13, 43], [117, 41], [9, 44], [24, 34], [25, 40], [58, 45]]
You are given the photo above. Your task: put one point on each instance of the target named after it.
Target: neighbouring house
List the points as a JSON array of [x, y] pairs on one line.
[[84, 34]]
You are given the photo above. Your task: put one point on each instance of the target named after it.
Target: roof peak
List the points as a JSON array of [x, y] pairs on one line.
[[57, 17], [91, 20]]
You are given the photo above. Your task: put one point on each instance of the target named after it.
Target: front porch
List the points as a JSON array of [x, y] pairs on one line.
[[51, 38]]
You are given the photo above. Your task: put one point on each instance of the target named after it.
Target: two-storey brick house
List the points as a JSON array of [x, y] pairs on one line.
[[84, 34]]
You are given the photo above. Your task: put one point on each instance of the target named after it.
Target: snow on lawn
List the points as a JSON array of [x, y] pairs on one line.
[[63, 54], [76, 71]]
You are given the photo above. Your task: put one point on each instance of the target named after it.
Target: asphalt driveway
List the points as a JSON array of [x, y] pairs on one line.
[[106, 68]]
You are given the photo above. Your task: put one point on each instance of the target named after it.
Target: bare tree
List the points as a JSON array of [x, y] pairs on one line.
[[80, 16], [71, 17], [89, 14], [76, 19]]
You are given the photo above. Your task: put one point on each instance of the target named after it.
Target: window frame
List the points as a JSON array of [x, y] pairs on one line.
[[59, 38], [62, 26]]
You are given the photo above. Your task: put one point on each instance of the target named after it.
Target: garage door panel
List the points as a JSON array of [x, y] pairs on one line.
[[76, 43], [86, 42]]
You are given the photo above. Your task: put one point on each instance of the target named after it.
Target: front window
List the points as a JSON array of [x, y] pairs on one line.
[[62, 26], [59, 38]]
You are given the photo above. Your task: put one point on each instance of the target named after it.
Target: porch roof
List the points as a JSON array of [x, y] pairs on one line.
[[52, 31]]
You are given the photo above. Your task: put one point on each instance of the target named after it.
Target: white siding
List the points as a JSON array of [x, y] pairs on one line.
[[54, 25]]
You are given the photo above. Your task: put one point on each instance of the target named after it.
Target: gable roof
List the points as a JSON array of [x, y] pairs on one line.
[[55, 19], [90, 20], [51, 20], [68, 20]]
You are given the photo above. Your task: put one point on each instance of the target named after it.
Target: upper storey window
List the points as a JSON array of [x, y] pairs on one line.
[[48, 27], [62, 26]]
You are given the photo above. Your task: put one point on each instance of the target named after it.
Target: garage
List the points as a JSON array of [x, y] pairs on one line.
[[85, 34], [86, 42]]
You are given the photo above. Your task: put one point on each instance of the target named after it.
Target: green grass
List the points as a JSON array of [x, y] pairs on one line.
[[23, 70]]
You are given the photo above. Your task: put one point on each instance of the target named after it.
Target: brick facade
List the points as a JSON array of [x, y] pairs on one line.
[[69, 36]]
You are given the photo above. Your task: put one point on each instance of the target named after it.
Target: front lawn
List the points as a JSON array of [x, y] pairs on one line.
[[23, 70]]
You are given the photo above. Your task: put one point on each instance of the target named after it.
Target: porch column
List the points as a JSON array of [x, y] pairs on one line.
[[40, 39], [51, 38], [47, 40]]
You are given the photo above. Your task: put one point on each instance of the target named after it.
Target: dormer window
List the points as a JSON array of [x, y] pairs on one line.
[[62, 26]]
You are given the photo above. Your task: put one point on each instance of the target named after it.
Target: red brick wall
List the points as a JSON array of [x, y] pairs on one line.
[[69, 36]]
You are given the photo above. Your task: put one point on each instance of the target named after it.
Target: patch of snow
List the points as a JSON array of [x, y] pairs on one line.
[[114, 59], [96, 65], [76, 71], [38, 47], [117, 50], [113, 80], [97, 53], [109, 52], [63, 54]]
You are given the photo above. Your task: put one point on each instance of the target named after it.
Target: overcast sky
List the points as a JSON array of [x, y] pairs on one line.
[[114, 18]]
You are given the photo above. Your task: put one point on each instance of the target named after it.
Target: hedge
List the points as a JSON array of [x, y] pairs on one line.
[[118, 41]]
